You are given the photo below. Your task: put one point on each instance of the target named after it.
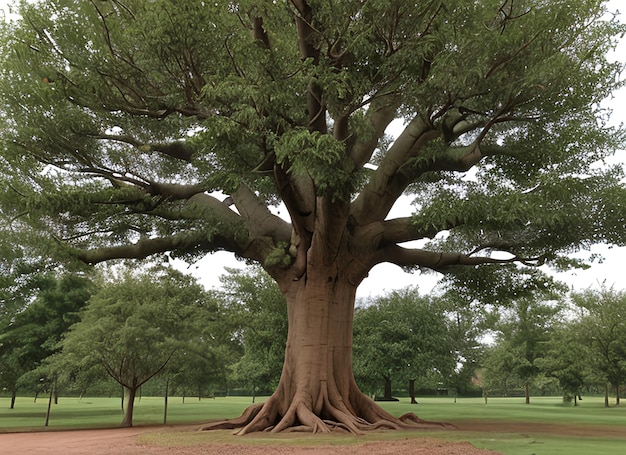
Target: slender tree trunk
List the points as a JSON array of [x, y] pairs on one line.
[[167, 386], [617, 396], [412, 391], [13, 397], [49, 404], [387, 389], [606, 395], [130, 393], [527, 388]]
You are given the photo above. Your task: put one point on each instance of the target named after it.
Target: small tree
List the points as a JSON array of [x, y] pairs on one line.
[[259, 312], [32, 334], [133, 327], [603, 324], [400, 337], [568, 359]]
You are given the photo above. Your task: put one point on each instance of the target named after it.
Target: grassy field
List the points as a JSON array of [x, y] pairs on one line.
[[587, 428]]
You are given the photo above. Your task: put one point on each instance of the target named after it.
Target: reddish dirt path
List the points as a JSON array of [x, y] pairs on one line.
[[124, 442]]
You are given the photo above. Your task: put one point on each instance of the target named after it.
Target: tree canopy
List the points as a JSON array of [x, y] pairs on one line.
[[133, 128], [134, 325]]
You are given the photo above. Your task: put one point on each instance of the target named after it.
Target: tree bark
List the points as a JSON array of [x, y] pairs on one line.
[[317, 391], [49, 404], [129, 393], [387, 389], [527, 392], [412, 391], [606, 395], [13, 397], [617, 397]]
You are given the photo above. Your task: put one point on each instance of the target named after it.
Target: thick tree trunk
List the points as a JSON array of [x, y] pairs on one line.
[[129, 394], [317, 391]]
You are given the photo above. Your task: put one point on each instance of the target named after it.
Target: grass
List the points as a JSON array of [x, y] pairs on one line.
[[573, 436]]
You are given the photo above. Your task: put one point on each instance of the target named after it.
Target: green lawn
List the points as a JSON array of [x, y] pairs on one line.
[[590, 414]]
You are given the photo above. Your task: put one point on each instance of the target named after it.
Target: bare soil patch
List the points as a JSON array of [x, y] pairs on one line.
[[127, 441]]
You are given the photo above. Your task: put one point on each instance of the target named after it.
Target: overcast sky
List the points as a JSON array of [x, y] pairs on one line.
[[386, 277]]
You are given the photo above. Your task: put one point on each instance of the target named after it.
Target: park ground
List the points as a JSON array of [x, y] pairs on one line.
[[542, 429]]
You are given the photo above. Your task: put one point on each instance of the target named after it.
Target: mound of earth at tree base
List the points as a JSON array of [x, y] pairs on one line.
[[127, 441]]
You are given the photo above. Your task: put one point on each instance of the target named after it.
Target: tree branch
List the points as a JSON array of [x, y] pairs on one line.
[[261, 221], [384, 187], [442, 261]]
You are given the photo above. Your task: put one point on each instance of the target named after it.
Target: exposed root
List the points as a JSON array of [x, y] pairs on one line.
[[230, 424], [410, 417], [329, 413]]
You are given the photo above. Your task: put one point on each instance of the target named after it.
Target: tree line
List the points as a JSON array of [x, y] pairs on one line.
[[115, 332]]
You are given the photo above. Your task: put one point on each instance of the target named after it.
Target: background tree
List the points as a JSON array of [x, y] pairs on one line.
[[399, 338], [568, 359], [120, 119], [604, 322], [259, 313], [206, 359], [524, 333], [133, 326], [33, 334]]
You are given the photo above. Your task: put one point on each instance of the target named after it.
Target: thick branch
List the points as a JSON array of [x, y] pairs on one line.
[[379, 118], [174, 191], [440, 261], [177, 149], [384, 188], [142, 249], [260, 220], [399, 230]]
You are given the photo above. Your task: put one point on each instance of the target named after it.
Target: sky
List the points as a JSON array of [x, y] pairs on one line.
[[387, 277]]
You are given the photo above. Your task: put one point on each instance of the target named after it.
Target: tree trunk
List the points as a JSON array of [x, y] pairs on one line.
[[317, 391], [129, 394], [167, 387], [617, 397], [412, 391], [527, 393], [606, 395], [49, 404], [387, 389], [13, 397]]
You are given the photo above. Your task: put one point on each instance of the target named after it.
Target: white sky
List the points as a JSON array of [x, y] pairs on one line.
[[386, 277]]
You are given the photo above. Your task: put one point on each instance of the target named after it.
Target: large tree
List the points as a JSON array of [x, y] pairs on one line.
[[121, 119]]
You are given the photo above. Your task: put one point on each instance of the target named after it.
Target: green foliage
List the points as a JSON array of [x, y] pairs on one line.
[[400, 337], [568, 359], [104, 104], [134, 325], [603, 329], [523, 336], [259, 314], [31, 334]]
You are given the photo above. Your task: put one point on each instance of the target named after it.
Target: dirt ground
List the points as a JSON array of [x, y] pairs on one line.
[[125, 442]]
